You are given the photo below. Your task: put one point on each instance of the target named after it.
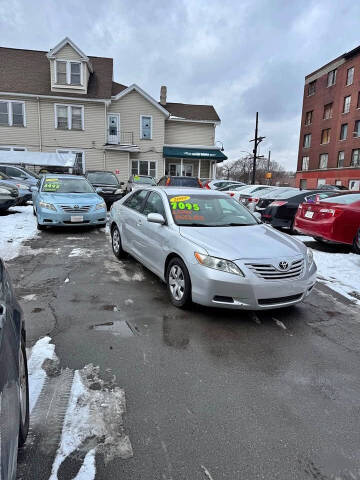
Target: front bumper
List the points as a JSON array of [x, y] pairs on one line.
[[62, 219], [214, 288]]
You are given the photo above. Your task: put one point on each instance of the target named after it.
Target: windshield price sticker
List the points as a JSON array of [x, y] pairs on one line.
[[188, 217], [136, 177], [51, 186], [185, 206]]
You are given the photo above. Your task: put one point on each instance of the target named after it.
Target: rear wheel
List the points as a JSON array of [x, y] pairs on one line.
[[116, 242], [178, 283], [356, 242], [24, 395]]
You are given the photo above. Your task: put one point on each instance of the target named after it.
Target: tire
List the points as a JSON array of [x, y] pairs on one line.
[[41, 227], [356, 242], [116, 242], [24, 396], [178, 283], [34, 212]]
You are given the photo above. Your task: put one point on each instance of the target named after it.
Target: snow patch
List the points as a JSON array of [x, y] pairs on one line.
[[66, 280], [41, 351], [16, 228], [129, 301], [82, 252], [127, 276], [29, 298]]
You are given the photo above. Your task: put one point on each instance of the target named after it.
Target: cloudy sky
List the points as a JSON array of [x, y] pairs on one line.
[[242, 56]]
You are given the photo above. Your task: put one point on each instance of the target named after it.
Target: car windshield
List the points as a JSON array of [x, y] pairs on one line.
[[105, 178], [184, 182], [276, 192], [66, 185], [30, 172], [344, 199], [145, 180], [209, 211]]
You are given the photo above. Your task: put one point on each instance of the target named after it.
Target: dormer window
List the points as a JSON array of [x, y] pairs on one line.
[[68, 73]]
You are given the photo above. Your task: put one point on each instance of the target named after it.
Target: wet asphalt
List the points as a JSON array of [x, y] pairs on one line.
[[210, 394]]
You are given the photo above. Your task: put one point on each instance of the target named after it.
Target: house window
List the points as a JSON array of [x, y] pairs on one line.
[[350, 76], [305, 163], [12, 149], [308, 118], [323, 160], [307, 140], [79, 166], [343, 131], [311, 88], [331, 78], [355, 158], [68, 73], [325, 136], [356, 132], [347, 102], [338, 183], [341, 159], [321, 181], [143, 167], [303, 184], [12, 113], [69, 117], [327, 111], [145, 127]]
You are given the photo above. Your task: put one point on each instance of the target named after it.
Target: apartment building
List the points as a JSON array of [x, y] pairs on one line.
[[329, 148], [62, 100]]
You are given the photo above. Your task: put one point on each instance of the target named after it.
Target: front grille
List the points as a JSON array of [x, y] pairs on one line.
[[269, 272], [274, 301], [81, 209]]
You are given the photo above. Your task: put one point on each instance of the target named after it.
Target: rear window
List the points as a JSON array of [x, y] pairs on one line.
[[344, 199], [184, 182], [106, 178], [143, 180], [286, 194]]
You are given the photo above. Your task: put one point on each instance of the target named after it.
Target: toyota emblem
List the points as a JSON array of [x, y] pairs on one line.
[[283, 265], [76, 206]]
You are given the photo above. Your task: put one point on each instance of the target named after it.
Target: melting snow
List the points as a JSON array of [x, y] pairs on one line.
[[15, 228], [81, 252]]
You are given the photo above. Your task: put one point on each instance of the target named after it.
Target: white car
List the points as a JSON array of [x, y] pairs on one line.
[[242, 194]]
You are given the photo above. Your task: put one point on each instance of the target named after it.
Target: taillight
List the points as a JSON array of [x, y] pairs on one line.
[[253, 200], [231, 194], [330, 212], [300, 206], [168, 181], [278, 203], [199, 182], [207, 186]]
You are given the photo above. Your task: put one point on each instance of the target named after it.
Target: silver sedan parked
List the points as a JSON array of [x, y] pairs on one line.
[[211, 250]]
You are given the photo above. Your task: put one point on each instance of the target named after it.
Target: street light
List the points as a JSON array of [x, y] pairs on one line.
[[222, 145]]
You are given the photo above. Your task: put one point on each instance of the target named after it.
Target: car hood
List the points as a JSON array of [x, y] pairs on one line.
[[71, 198], [235, 243]]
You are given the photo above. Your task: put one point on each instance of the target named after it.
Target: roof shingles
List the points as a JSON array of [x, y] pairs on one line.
[[192, 112]]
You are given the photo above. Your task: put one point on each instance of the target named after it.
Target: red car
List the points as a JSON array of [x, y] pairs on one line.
[[336, 219]]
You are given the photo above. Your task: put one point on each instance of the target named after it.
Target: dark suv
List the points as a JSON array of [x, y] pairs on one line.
[[168, 181], [111, 190]]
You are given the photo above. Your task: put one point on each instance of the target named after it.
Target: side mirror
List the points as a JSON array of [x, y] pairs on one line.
[[122, 183], [257, 215], [156, 218], [98, 190], [33, 188]]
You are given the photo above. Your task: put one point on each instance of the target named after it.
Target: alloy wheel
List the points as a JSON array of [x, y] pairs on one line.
[[176, 282], [116, 240]]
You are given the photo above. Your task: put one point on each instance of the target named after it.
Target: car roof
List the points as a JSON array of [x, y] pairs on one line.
[[62, 175], [173, 190], [99, 171]]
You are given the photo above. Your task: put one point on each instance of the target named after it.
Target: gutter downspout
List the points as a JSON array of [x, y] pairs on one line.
[[104, 159], [39, 124]]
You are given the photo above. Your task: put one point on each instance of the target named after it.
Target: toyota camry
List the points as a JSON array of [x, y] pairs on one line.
[[210, 249]]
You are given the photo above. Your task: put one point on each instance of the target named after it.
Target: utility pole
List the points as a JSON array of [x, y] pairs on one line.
[[256, 141], [268, 166]]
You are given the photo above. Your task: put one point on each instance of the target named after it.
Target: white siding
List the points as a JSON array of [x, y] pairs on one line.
[[68, 53], [23, 136], [187, 133], [118, 161]]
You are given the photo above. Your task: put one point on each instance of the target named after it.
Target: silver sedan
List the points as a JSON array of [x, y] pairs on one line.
[[211, 250]]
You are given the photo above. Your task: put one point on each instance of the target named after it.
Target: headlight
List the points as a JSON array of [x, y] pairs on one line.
[[218, 264], [4, 190], [100, 206], [310, 256], [118, 191], [48, 206], [23, 187]]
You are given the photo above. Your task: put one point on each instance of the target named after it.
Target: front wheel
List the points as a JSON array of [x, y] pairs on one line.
[[356, 242], [178, 283], [40, 227], [24, 396], [116, 243]]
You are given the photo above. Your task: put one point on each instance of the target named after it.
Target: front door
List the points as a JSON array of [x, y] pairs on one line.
[[114, 128], [175, 170]]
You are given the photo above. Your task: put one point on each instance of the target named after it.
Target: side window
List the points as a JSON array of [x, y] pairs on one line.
[[136, 201], [3, 169], [161, 181], [13, 172], [154, 204]]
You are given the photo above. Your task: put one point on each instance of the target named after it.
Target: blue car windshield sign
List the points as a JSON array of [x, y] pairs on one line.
[[66, 185]]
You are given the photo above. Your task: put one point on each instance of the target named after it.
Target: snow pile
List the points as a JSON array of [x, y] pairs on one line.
[[14, 229]]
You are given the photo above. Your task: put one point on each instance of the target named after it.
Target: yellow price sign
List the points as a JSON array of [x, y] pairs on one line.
[[181, 198], [268, 175]]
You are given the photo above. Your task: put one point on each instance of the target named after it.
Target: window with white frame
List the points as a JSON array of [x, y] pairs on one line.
[[307, 140], [79, 166], [331, 78], [145, 127], [143, 167], [68, 72], [350, 76], [12, 113], [12, 149], [305, 163], [341, 159], [347, 103], [323, 160], [69, 117], [355, 158]]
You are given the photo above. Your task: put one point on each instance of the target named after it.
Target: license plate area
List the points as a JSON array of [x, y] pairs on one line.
[[309, 214], [76, 218]]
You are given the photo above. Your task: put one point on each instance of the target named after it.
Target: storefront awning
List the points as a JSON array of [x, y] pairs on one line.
[[198, 153]]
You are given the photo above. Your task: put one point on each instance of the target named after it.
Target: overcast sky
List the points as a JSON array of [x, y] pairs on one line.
[[240, 56]]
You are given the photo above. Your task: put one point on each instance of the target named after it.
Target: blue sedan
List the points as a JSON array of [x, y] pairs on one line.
[[67, 200], [14, 387]]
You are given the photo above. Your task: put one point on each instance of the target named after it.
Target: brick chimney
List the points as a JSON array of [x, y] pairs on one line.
[[163, 91]]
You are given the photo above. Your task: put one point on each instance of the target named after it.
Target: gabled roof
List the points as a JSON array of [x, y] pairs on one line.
[[67, 41], [148, 97], [186, 111], [117, 88], [28, 71]]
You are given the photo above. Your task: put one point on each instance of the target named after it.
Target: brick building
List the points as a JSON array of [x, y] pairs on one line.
[[329, 147]]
